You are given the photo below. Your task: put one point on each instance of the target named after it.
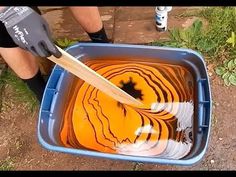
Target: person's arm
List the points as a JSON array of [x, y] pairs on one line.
[[29, 30]]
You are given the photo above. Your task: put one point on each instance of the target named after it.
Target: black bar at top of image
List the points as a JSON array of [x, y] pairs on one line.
[[120, 3]]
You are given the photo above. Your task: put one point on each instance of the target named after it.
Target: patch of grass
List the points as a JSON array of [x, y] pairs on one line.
[[191, 13], [222, 22], [6, 165], [22, 93], [2, 68], [213, 42]]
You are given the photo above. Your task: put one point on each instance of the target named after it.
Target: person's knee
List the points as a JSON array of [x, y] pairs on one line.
[[23, 63]]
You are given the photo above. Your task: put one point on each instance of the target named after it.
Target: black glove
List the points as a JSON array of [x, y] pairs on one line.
[[29, 30]]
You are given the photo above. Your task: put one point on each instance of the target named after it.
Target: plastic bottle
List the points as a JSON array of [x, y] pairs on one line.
[[162, 17]]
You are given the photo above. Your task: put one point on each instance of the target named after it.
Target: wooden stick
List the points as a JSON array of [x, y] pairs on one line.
[[82, 71]]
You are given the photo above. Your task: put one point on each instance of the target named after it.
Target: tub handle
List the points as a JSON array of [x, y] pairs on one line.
[[203, 104], [51, 93]]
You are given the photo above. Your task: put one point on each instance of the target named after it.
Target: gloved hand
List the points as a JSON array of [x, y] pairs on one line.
[[29, 30]]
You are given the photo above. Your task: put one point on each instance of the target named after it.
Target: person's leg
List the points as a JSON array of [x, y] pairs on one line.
[[25, 65], [90, 20]]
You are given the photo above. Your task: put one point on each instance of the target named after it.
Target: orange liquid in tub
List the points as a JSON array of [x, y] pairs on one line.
[[161, 128]]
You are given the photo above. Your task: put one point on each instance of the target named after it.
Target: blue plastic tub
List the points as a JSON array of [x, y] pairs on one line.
[[58, 87]]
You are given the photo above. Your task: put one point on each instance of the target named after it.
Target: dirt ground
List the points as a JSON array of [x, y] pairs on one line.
[[18, 127]]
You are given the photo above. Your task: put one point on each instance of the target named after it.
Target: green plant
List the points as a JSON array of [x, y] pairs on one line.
[[232, 39], [227, 71], [193, 37], [63, 43]]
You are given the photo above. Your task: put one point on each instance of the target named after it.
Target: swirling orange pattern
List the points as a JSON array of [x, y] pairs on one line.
[[161, 128]]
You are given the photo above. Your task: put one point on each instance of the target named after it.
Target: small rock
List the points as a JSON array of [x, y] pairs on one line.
[[220, 139], [210, 74], [212, 161]]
